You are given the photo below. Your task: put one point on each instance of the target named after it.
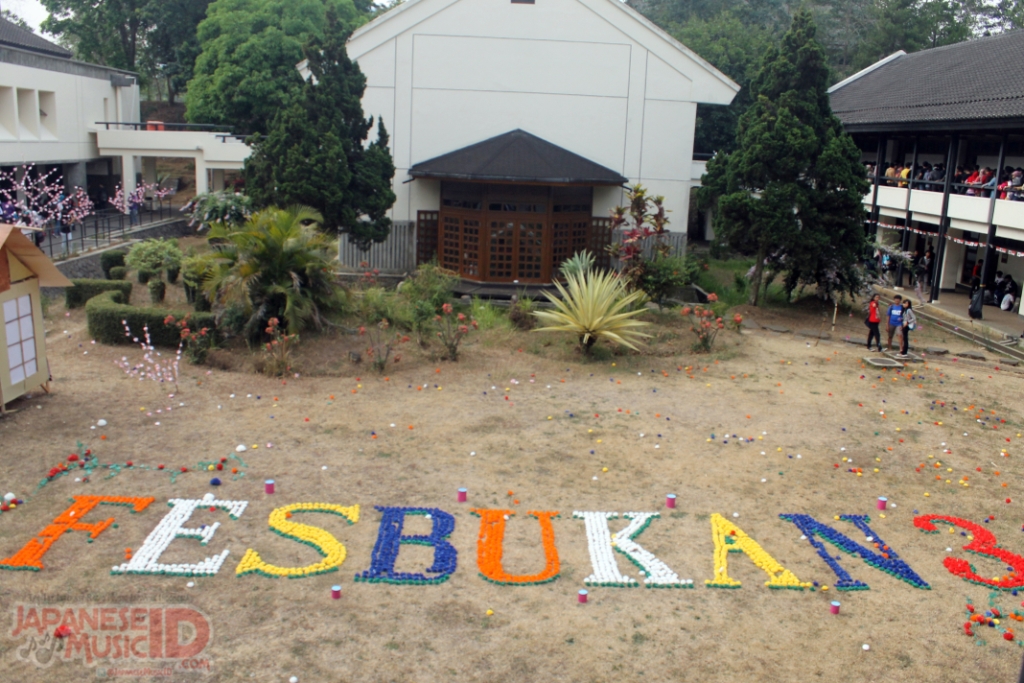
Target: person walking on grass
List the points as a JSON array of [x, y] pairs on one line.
[[909, 325], [895, 321], [872, 322]]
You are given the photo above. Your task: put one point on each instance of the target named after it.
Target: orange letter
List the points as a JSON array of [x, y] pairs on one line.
[[30, 557], [491, 543]]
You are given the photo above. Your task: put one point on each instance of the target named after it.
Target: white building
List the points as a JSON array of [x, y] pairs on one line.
[[959, 109], [50, 105], [85, 119], [514, 124]]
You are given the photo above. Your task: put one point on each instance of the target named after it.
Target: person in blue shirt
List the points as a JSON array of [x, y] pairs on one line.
[[895, 321]]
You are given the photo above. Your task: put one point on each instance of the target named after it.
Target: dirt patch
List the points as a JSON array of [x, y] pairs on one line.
[[786, 406]]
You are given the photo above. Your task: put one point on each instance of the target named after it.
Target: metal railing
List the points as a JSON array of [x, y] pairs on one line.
[[160, 125], [102, 228]]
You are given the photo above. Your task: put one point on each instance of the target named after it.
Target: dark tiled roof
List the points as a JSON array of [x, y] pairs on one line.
[[517, 156], [13, 35], [981, 79]]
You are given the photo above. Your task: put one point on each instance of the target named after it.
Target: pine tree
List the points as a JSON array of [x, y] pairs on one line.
[[314, 153], [791, 192]]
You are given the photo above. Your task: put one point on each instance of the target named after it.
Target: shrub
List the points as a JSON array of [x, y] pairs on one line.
[[225, 208], [77, 296], [278, 265], [595, 306], [195, 343], [194, 272], [118, 273], [704, 325], [157, 291], [382, 343], [106, 315], [145, 275], [110, 260], [451, 328], [156, 255], [278, 350], [665, 274], [521, 313], [581, 263], [431, 284]]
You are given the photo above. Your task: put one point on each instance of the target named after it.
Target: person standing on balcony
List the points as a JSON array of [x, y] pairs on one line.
[[891, 173]]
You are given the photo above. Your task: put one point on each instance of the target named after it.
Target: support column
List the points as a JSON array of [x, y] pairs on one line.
[[202, 177], [879, 160], [149, 170], [128, 172], [905, 237], [991, 256], [218, 180], [940, 247], [74, 176]]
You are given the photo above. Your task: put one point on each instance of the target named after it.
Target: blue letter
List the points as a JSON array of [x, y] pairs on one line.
[[890, 565], [390, 538]]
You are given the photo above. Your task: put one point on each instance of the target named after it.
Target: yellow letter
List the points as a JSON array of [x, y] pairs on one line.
[[324, 543], [730, 538]]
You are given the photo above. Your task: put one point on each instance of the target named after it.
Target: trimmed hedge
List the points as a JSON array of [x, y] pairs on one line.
[[107, 313], [83, 290], [111, 259], [118, 273]]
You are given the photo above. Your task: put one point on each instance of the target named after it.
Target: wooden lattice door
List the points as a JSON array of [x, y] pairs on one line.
[[426, 237]]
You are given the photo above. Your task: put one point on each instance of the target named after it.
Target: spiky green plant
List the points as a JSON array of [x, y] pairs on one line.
[[581, 263], [277, 265], [595, 306]]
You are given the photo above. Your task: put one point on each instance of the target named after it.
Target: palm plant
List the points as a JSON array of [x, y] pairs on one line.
[[218, 208], [595, 306], [276, 265]]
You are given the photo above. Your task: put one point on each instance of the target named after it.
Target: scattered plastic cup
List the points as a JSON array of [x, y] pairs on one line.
[[882, 502], [833, 607], [670, 500], [582, 597], [462, 495], [336, 592], [268, 486]]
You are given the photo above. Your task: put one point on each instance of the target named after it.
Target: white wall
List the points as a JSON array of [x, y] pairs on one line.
[[73, 104], [586, 75]]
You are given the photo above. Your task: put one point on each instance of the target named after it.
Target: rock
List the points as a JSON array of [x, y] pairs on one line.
[[936, 351], [355, 356], [776, 328], [1012, 362], [814, 334], [973, 355], [749, 324], [879, 362]]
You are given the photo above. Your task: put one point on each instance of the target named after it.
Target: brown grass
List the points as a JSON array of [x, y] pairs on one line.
[[268, 630]]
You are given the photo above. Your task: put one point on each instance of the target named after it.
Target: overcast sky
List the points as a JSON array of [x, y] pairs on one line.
[[30, 10]]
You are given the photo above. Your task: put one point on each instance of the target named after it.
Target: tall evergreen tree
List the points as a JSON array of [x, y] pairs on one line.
[[314, 153], [791, 192]]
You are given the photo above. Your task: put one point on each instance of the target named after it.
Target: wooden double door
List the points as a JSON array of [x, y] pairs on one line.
[[516, 235]]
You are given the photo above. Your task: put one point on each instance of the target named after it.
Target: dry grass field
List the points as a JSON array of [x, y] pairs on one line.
[[521, 414]]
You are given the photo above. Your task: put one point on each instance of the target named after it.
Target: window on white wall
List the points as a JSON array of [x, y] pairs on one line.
[[48, 114], [21, 339], [8, 114], [28, 114]]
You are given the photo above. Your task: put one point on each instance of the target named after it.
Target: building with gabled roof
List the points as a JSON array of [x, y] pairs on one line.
[[515, 124], [946, 114]]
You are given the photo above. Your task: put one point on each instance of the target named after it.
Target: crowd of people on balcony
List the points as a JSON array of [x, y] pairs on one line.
[[973, 181]]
